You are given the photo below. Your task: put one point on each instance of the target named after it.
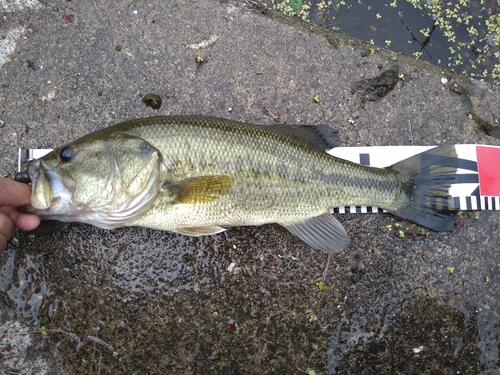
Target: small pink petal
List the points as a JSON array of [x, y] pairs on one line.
[[68, 18]]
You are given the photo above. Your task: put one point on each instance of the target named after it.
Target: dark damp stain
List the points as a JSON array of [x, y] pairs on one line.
[[373, 89], [152, 100], [425, 334]]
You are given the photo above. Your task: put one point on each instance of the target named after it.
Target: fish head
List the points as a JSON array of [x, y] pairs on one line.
[[107, 180]]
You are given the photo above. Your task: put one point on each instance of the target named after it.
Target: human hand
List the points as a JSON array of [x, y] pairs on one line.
[[14, 194]]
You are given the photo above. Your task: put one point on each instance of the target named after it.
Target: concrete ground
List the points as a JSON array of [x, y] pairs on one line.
[[245, 301]]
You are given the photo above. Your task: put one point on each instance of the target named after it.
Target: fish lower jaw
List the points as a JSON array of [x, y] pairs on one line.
[[39, 203]]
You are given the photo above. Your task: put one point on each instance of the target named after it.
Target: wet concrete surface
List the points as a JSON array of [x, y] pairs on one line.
[[245, 301]]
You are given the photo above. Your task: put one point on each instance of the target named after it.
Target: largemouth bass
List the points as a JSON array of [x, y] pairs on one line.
[[201, 175]]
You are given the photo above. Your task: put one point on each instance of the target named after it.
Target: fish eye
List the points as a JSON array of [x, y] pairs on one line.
[[67, 154]]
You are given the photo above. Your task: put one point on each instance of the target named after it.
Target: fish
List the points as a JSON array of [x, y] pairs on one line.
[[199, 175]]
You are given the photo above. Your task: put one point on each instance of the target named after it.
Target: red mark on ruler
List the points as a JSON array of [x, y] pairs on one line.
[[488, 162]]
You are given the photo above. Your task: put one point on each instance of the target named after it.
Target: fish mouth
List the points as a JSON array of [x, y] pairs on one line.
[[47, 185]]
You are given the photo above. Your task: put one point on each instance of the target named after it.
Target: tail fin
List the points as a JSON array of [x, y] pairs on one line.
[[427, 178]]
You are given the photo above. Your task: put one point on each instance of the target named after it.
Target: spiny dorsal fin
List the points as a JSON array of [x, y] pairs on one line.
[[320, 137], [199, 190]]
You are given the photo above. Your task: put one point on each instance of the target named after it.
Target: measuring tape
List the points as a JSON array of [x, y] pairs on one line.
[[476, 185]]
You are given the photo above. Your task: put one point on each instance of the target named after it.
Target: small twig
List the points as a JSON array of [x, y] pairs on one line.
[[326, 268], [267, 112], [9, 356], [28, 94], [422, 45], [18, 65], [44, 332], [30, 19], [411, 131]]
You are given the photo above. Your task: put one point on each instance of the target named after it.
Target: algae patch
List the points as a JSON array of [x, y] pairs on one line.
[[373, 89], [152, 100]]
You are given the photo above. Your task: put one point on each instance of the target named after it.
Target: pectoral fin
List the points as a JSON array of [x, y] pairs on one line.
[[199, 190], [199, 231], [322, 232]]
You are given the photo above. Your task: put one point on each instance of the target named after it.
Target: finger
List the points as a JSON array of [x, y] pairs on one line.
[[14, 193], [6, 227], [21, 220], [3, 243], [27, 221]]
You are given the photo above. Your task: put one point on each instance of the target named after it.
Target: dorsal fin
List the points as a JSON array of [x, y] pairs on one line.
[[320, 137]]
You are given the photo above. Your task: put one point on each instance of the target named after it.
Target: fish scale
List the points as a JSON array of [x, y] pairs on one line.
[[264, 167]]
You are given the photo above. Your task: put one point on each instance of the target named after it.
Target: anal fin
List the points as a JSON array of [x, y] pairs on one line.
[[322, 232]]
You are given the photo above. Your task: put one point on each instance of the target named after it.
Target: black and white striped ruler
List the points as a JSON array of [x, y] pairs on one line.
[[476, 185]]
